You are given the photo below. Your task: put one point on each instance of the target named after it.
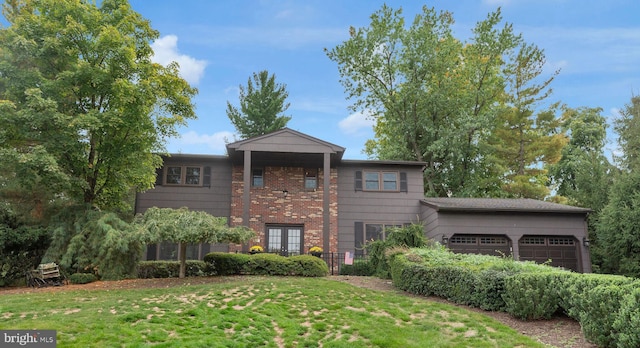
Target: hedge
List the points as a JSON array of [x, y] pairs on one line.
[[265, 264], [606, 306], [82, 278], [170, 269]]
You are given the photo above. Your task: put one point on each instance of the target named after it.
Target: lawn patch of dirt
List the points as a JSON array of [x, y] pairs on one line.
[[560, 331]]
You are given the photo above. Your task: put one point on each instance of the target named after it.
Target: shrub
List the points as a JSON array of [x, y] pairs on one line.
[[82, 278], [88, 239], [627, 323], [531, 296], [226, 263], [358, 268], [310, 266], [170, 269], [271, 264], [21, 249]]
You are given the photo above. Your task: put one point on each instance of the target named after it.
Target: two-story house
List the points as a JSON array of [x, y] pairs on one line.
[[296, 191]]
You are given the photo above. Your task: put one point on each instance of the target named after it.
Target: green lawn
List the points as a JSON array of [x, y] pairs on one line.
[[253, 312]]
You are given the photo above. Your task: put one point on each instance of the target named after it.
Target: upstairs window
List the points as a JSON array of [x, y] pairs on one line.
[[184, 175], [257, 177], [310, 179], [381, 181]]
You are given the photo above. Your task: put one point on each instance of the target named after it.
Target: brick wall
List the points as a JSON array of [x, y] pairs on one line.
[[302, 207]]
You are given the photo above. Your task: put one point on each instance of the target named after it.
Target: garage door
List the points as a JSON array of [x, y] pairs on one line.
[[480, 244], [561, 250]]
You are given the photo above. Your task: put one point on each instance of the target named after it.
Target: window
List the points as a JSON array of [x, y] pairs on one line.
[[184, 175], [381, 181], [378, 231], [257, 177], [310, 179]]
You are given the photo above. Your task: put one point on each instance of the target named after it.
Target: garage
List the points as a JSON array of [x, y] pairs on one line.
[[561, 250], [480, 244]]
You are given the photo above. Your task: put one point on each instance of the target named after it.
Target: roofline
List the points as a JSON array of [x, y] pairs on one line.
[[336, 148], [414, 163], [571, 210], [195, 156]]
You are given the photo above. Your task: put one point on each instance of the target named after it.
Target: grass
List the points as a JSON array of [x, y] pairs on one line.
[[253, 312]]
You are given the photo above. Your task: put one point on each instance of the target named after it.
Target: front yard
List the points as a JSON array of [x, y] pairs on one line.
[[250, 312]]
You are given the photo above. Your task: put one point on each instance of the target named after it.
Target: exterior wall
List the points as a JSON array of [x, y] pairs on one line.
[[269, 205], [215, 200], [375, 207]]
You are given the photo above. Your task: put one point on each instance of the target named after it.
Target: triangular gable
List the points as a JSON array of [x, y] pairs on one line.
[[285, 140]]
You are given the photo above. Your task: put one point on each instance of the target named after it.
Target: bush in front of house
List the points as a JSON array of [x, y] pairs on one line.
[[596, 301], [606, 306], [310, 266], [476, 280], [82, 278], [532, 295], [271, 264], [170, 269], [219, 263], [359, 267], [627, 323]]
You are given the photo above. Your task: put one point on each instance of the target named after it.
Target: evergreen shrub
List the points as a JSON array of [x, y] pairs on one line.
[[82, 278], [170, 269], [220, 263]]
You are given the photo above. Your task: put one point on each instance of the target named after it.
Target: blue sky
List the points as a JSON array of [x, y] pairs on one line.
[[219, 44]]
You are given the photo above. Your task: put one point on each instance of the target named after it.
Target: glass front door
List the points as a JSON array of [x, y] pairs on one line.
[[285, 240]]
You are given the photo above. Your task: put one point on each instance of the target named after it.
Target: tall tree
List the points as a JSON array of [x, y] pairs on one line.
[[86, 107], [262, 105], [525, 141], [584, 176], [432, 96], [618, 228]]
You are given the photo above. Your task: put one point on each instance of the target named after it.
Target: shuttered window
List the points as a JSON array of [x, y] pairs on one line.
[[389, 181], [183, 175]]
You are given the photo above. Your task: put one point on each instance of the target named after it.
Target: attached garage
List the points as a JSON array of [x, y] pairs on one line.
[[527, 229], [559, 251], [480, 244]]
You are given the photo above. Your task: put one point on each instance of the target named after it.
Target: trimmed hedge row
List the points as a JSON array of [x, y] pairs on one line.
[[171, 269], [607, 306], [266, 264]]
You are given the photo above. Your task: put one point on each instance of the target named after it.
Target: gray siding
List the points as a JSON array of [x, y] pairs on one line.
[[215, 199], [375, 207]]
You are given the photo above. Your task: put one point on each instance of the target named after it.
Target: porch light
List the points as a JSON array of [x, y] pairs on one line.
[[285, 193], [585, 242], [445, 240]]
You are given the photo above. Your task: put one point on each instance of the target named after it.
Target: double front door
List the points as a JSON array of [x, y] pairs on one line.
[[284, 239]]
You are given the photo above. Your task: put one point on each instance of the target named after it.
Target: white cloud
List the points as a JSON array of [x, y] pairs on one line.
[[356, 123], [216, 141], [165, 51]]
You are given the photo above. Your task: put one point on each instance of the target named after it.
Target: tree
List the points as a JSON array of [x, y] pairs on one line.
[[184, 226], [584, 176], [261, 106], [618, 228], [432, 96], [85, 109], [526, 142]]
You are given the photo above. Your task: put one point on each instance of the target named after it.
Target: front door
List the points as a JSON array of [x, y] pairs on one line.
[[285, 240]]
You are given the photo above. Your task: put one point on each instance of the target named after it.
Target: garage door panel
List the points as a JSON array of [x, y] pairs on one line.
[[496, 245], [561, 250]]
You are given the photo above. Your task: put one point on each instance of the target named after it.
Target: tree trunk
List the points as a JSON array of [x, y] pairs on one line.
[[182, 247]]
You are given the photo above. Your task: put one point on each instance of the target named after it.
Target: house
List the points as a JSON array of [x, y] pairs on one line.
[[296, 191]]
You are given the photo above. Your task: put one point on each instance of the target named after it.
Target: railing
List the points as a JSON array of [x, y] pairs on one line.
[[336, 261]]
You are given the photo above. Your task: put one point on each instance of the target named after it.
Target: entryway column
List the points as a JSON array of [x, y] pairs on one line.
[[326, 201], [246, 193]]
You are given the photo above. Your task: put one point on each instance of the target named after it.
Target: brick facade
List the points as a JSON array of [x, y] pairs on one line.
[[283, 200]]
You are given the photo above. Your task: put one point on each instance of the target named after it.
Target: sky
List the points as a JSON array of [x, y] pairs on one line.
[[220, 44]]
